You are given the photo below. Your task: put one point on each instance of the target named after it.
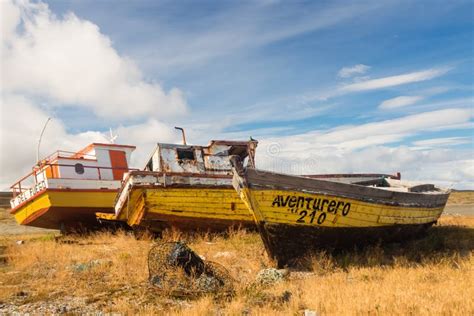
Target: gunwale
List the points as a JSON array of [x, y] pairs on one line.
[[258, 179]]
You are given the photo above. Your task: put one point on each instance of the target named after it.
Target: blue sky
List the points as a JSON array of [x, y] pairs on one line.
[[358, 86], [253, 54]]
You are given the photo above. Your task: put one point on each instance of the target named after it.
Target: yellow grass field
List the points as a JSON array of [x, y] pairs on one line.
[[4, 215], [429, 276], [461, 198]]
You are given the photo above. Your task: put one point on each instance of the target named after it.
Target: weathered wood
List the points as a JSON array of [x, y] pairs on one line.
[[258, 179]]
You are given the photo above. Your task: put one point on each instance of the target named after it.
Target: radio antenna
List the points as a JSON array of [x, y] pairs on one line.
[[112, 136], [39, 140]]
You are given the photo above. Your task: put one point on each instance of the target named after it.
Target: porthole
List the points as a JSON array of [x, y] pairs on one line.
[[79, 168]]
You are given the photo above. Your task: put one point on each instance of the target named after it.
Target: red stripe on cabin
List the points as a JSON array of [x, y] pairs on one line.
[[118, 162]]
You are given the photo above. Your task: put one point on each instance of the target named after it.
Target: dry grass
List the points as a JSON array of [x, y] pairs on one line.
[[461, 198], [4, 213], [106, 272]]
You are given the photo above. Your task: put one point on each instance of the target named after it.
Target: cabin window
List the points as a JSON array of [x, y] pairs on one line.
[[79, 168], [184, 153]]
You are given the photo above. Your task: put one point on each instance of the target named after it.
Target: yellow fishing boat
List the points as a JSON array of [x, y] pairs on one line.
[[187, 187], [296, 215], [66, 189]]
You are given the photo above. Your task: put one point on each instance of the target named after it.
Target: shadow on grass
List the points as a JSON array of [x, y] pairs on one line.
[[439, 245]]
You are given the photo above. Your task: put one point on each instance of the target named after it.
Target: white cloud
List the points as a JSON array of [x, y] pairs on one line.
[[447, 168], [71, 63], [347, 72], [67, 61], [395, 80], [21, 124], [349, 138], [442, 142], [145, 136], [387, 131], [363, 84], [399, 102], [22, 120], [444, 167], [10, 17], [364, 148]]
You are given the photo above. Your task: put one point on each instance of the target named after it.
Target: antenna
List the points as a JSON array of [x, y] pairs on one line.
[[39, 140], [112, 137], [182, 131]]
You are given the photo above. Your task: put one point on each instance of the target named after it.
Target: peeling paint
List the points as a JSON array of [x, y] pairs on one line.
[[213, 158]]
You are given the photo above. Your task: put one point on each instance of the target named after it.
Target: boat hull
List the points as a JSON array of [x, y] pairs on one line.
[[185, 208], [65, 209], [297, 215], [287, 243]]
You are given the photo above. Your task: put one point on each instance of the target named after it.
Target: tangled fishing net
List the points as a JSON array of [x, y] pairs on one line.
[[177, 270]]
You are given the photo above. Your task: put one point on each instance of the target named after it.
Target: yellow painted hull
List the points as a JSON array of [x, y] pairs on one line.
[[305, 209], [185, 208], [60, 209]]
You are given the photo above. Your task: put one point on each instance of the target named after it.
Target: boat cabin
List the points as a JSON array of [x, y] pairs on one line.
[[214, 158], [97, 166]]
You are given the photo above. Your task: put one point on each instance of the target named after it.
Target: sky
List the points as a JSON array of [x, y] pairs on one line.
[[325, 86]]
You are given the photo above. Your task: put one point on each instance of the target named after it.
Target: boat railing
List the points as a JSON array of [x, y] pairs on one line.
[[30, 182], [67, 154]]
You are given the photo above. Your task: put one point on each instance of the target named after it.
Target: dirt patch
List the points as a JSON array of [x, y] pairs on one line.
[[9, 227]]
